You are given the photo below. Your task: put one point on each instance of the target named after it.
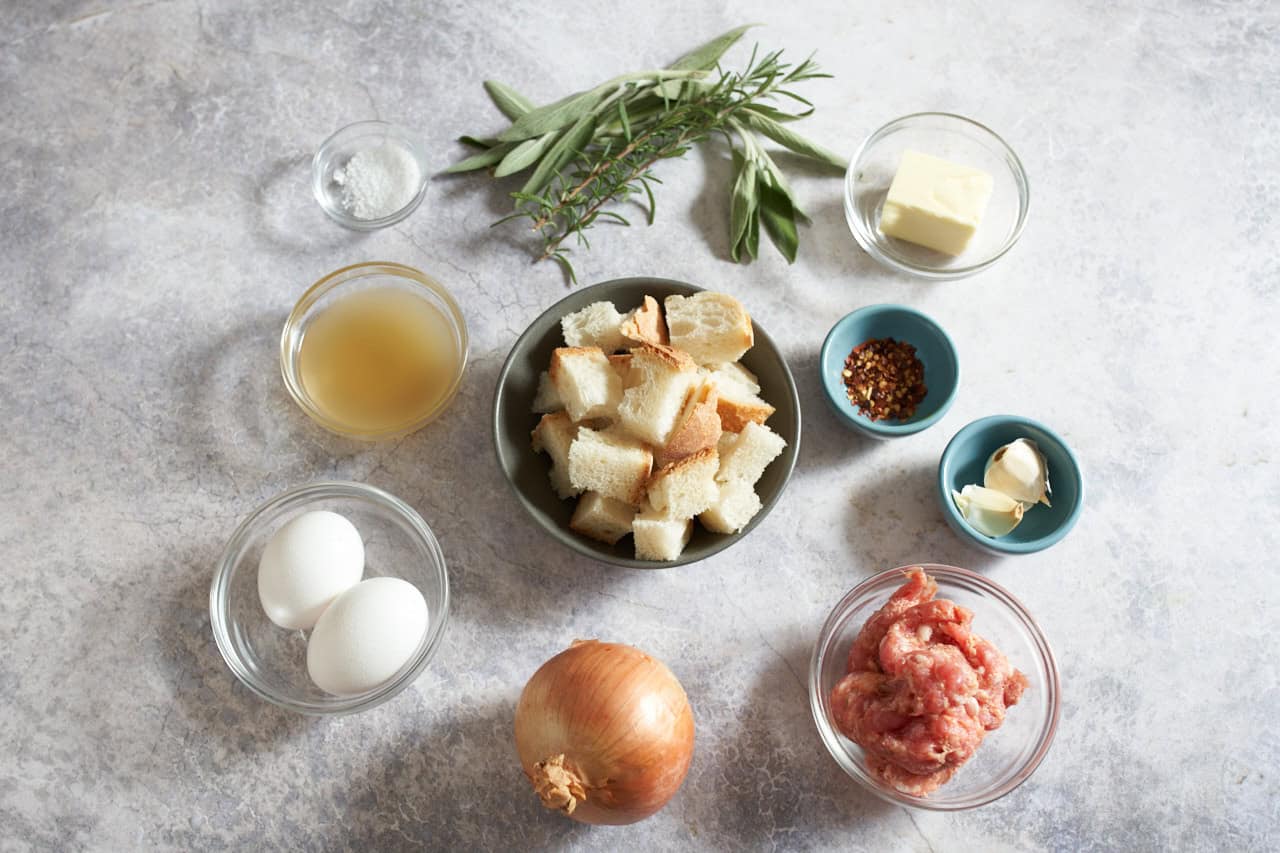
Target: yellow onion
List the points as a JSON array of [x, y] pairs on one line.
[[605, 733]]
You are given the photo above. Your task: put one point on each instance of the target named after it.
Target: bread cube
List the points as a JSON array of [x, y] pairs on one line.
[[601, 518], [547, 399], [736, 504], [586, 382], [659, 537], [737, 404], [645, 325], [611, 463], [685, 487], [713, 328], [697, 426], [597, 325], [746, 456], [622, 366], [658, 381], [737, 373], [553, 435]]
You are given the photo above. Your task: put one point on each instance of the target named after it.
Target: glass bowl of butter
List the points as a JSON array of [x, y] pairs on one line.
[[936, 195]]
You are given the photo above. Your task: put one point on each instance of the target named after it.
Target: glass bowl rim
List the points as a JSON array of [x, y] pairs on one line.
[[336, 213], [346, 275], [1053, 689], [851, 416], [233, 553], [867, 241]]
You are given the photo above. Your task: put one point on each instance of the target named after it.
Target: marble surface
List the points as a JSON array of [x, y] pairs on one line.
[[158, 226]]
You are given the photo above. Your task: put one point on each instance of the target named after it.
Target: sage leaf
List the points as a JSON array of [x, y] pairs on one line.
[[780, 222], [524, 155], [741, 203], [512, 104], [479, 142], [705, 57], [789, 139], [626, 122], [556, 116], [771, 176], [481, 160], [570, 143], [751, 242]]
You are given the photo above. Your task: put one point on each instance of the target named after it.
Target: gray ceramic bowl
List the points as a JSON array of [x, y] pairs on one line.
[[526, 471]]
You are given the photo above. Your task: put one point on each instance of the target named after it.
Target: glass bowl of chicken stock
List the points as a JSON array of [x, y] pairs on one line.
[[1007, 756]]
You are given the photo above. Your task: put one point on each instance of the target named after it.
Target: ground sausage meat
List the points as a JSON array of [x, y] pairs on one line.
[[922, 689]]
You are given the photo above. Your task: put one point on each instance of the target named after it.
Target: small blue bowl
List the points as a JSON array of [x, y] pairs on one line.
[[965, 460], [933, 347]]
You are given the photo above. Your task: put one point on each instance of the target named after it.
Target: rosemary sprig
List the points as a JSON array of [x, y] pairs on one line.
[[594, 150]]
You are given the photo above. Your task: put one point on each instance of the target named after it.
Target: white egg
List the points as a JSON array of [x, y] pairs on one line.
[[366, 635], [306, 565]]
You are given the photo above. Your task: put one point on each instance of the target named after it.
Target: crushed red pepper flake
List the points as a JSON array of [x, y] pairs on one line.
[[884, 379]]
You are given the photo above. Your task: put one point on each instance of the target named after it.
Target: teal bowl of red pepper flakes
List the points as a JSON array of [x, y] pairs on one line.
[[889, 371]]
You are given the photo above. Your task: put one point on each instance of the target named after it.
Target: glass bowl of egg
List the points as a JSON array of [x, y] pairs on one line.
[[330, 598], [936, 195]]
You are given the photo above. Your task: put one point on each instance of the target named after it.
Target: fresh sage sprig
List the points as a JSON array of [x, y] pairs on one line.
[[593, 150]]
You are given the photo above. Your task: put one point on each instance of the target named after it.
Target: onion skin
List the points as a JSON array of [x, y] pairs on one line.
[[604, 733]]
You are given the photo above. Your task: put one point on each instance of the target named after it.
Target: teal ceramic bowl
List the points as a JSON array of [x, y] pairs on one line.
[[933, 347], [526, 471], [965, 460]]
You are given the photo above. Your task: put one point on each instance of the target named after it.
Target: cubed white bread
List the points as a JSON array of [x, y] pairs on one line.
[[597, 325], [602, 518], [738, 373], [659, 537], [586, 382], [547, 399], [657, 384], [737, 404], [611, 463], [553, 436], [645, 325], [746, 457], [685, 487], [697, 426], [622, 366], [736, 505], [713, 328]]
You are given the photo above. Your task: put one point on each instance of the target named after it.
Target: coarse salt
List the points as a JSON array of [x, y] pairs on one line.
[[377, 182]]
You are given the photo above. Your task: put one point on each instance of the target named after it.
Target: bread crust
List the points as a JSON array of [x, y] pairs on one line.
[[736, 414], [646, 324], [698, 426], [560, 354], [674, 468], [672, 358]]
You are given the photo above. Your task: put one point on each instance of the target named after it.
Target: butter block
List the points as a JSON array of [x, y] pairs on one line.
[[935, 203]]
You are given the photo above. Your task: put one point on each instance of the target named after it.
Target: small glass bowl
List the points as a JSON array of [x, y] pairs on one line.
[[341, 147], [950, 137], [1010, 754], [272, 661], [340, 284]]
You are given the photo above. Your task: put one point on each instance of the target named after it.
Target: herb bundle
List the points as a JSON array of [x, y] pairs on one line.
[[593, 150]]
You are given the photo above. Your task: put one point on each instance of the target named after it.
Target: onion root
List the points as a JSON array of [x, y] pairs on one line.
[[557, 786]]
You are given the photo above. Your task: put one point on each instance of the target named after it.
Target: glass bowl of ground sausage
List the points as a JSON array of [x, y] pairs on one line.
[[898, 667]]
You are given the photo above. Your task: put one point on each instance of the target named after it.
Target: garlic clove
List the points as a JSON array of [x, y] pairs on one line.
[[989, 512], [1020, 471]]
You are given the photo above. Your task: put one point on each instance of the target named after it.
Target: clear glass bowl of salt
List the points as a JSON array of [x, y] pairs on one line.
[[369, 175]]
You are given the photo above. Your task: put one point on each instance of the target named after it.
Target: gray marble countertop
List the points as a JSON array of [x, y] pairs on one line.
[[158, 226]]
